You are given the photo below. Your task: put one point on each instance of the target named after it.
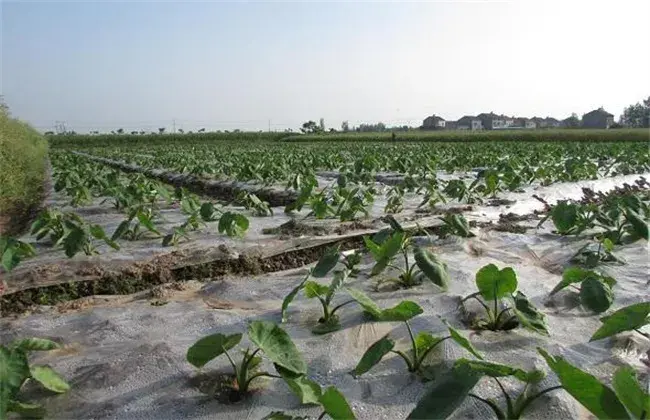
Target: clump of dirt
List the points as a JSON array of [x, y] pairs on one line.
[[352, 226], [294, 229], [503, 226], [220, 386], [512, 218], [440, 210], [496, 202]]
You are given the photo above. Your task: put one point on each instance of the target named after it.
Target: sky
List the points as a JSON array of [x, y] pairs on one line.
[[253, 65]]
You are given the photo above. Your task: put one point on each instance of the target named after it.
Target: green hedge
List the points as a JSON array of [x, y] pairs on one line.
[[23, 154]]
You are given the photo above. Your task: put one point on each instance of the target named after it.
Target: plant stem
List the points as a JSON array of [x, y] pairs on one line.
[[415, 349], [534, 397], [322, 415], [341, 305], [326, 314], [508, 399], [646, 335], [499, 413], [419, 361], [409, 364], [257, 375]]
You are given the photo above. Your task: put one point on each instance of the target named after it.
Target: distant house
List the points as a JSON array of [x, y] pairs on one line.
[[571, 122], [524, 122], [539, 122], [598, 118], [469, 122], [552, 122], [451, 125], [433, 122], [492, 121]]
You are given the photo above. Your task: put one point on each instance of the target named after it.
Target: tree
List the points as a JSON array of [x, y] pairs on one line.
[[120, 131], [637, 115], [322, 124], [161, 130], [180, 130], [4, 108], [345, 126], [311, 127]]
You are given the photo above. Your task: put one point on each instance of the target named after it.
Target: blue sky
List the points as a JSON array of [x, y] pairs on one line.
[[140, 65]]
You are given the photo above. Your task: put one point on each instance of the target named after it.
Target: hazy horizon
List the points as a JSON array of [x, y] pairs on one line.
[[141, 65]]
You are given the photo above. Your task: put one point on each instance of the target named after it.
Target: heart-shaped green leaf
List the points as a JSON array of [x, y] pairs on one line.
[[493, 283], [49, 378], [326, 263], [596, 295], [434, 269], [210, 347], [335, 405], [277, 345]]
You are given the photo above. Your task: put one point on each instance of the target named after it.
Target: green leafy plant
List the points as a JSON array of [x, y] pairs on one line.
[[450, 390], [233, 224], [269, 338], [395, 197], [13, 251], [628, 318], [459, 190], [15, 372], [592, 254], [325, 294], [595, 290], [496, 286], [422, 344], [628, 399], [571, 218], [139, 222], [350, 261], [426, 264], [71, 231], [432, 195], [455, 224], [252, 202], [331, 401]]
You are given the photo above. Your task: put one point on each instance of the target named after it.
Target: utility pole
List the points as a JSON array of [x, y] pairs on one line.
[[269, 126], [174, 125]]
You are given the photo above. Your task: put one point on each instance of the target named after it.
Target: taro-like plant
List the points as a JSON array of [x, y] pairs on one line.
[[325, 294], [422, 344], [324, 265], [456, 188], [15, 372], [571, 218], [627, 400], [432, 195], [331, 400], [426, 265], [455, 224], [592, 254], [252, 202], [71, 231], [628, 318], [269, 339], [350, 261], [13, 251], [449, 391], [139, 222], [595, 289], [505, 306], [395, 203]]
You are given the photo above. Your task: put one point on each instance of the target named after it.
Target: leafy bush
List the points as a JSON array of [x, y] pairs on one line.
[[13, 251]]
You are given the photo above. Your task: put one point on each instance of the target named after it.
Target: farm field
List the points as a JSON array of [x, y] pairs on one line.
[[454, 267]]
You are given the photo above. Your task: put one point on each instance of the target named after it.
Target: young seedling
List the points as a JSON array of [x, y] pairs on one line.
[[422, 344], [350, 261], [324, 265], [595, 290], [71, 231], [331, 401], [630, 318], [426, 264], [628, 399], [15, 372], [495, 286], [13, 251], [450, 390], [455, 224], [132, 228], [252, 202], [571, 218], [269, 338], [593, 254], [395, 203]]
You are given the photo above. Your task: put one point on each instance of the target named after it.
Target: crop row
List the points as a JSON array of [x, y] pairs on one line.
[[273, 163], [591, 136], [505, 308]]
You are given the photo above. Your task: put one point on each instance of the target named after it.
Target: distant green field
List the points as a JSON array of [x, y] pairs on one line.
[[569, 135]]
